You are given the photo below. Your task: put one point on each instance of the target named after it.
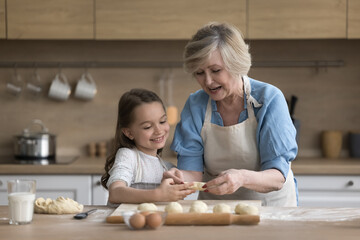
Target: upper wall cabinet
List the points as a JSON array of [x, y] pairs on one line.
[[2, 19], [163, 19], [50, 19], [354, 19], [297, 19]]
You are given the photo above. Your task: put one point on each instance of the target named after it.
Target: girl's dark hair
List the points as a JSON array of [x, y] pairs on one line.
[[127, 103]]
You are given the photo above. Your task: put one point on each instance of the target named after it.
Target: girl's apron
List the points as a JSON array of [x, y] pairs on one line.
[[235, 147], [138, 184]]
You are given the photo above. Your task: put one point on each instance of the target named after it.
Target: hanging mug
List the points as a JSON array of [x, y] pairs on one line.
[[60, 89], [86, 87], [15, 85], [34, 86]]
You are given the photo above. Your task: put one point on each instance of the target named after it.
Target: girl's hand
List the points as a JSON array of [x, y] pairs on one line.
[[174, 174], [227, 182], [170, 192]]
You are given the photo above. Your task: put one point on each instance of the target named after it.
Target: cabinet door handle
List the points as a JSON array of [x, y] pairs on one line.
[[98, 183], [350, 183], [1, 183]]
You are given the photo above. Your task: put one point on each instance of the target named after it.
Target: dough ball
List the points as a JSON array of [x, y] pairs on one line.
[[198, 186], [198, 207], [59, 206], [174, 207], [245, 209], [147, 207], [222, 208]]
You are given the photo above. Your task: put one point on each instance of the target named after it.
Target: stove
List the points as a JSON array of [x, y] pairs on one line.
[[58, 160]]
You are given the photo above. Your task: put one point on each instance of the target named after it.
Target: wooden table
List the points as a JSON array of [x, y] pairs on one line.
[[276, 223]]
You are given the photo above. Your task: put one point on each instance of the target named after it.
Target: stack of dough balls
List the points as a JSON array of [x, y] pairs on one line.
[[245, 209], [59, 206], [222, 208], [174, 207], [198, 207], [147, 207]]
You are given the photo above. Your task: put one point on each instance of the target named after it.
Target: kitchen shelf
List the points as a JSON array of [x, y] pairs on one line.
[[165, 64]]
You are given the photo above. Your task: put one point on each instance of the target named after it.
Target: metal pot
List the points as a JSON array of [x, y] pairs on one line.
[[35, 145]]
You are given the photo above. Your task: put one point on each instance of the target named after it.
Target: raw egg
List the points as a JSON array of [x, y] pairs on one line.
[[137, 221], [154, 220], [145, 213]]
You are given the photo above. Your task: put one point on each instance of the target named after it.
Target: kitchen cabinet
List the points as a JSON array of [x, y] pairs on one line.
[[329, 191], [99, 194], [50, 19], [163, 19], [353, 19], [53, 186], [297, 19], [2, 19]]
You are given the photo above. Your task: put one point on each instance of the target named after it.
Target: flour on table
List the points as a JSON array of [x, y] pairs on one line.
[[59, 206]]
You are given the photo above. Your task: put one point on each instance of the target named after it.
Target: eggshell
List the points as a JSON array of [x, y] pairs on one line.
[[145, 213], [154, 220], [137, 221]]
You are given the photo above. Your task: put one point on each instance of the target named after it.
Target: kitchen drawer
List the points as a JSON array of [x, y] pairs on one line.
[[53, 186], [329, 191]]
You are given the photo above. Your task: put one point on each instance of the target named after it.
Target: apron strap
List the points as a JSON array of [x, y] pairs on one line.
[[139, 173], [250, 99], [208, 112]]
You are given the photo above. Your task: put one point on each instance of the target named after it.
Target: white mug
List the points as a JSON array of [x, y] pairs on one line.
[[86, 87], [60, 88]]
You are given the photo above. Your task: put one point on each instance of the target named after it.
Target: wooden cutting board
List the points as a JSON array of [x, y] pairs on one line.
[[186, 205]]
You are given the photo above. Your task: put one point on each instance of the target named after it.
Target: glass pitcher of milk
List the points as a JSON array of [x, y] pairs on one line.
[[21, 196]]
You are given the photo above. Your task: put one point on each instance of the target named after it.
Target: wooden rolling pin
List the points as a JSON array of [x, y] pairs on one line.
[[210, 219], [201, 219]]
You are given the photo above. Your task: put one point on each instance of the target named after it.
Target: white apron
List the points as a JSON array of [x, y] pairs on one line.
[[235, 147]]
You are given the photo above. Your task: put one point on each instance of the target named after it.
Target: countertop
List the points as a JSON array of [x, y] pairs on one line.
[[95, 165], [275, 223]]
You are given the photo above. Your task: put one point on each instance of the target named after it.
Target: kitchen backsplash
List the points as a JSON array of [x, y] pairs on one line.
[[328, 98]]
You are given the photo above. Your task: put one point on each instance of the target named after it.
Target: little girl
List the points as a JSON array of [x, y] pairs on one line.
[[134, 170]]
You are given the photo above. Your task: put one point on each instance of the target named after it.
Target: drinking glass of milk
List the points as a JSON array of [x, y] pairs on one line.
[[21, 196]]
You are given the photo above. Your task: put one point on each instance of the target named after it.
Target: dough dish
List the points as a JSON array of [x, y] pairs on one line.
[[59, 206], [198, 186], [147, 207], [245, 209], [198, 207], [221, 208], [174, 207]]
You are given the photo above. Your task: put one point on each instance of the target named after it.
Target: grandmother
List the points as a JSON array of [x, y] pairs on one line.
[[235, 133]]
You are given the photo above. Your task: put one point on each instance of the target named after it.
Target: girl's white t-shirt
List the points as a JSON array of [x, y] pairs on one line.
[[126, 164]]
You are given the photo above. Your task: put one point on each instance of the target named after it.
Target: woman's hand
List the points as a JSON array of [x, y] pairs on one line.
[[168, 191], [229, 181]]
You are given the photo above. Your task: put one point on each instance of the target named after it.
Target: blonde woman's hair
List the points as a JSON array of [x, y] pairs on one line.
[[224, 37]]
